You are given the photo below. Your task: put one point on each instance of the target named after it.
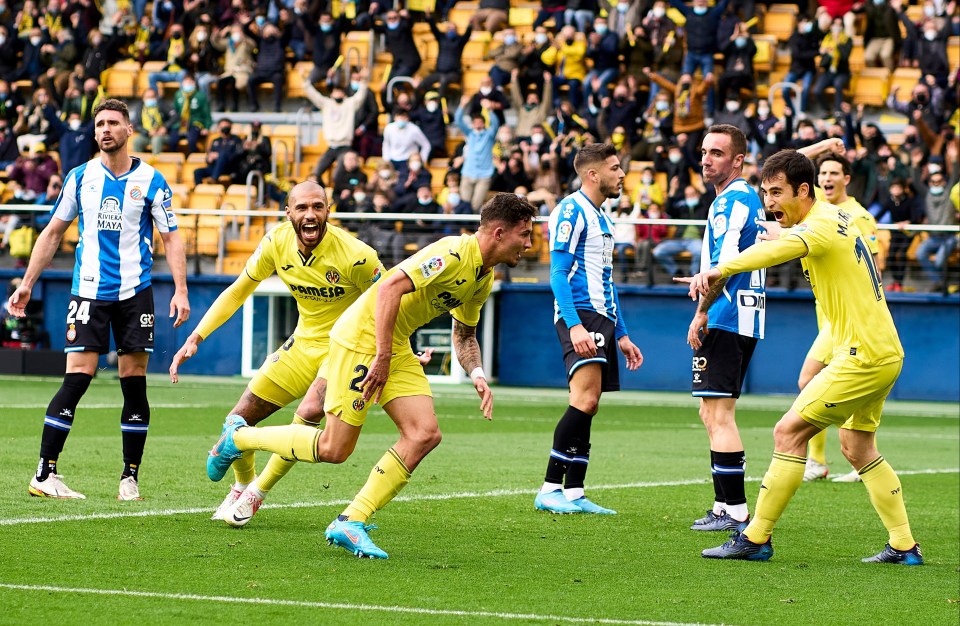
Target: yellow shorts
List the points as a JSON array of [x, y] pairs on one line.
[[287, 374], [822, 348], [345, 370], [848, 394]]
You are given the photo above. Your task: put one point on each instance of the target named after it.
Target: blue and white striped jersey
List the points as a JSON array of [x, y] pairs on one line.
[[583, 230], [117, 216], [732, 226]]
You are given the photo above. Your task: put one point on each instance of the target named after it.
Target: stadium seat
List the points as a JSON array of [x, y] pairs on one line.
[[766, 54], [120, 80], [906, 78], [523, 17], [953, 51], [870, 86], [857, 61], [170, 164], [476, 48], [358, 40], [780, 21], [235, 198], [194, 162], [180, 193], [462, 13], [295, 79]]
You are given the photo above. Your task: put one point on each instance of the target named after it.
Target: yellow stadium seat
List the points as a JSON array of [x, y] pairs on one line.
[[236, 198], [906, 78], [295, 79], [120, 80], [953, 51], [180, 193], [358, 40], [857, 61], [194, 162], [780, 21], [143, 78], [870, 86], [170, 164], [522, 17], [476, 48], [462, 13], [766, 52]]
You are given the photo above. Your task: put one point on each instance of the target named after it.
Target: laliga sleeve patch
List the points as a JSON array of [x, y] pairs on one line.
[[719, 224], [563, 232], [432, 266]]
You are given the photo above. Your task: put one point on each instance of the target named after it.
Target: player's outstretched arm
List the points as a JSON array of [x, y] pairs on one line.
[[43, 250], [177, 261], [468, 353]]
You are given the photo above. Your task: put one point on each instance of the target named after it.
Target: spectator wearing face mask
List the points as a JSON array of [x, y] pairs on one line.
[[835, 51], [732, 113], [478, 168], [701, 29], [689, 205], [397, 31], [930, 43], [450, 45], [454, 204], [31, 65], [326, 35], [413, 177], [506, 57], [602, 48], [623, 16], [192, 115], [430, 118], [648, 191], [532, 109], [804, 46], [76, 145], [223, 156], [149, 123], [339, 117], [931, 108], [738, 67], [881, 37], [30, 174], [675, 164], [348, 177], [933, 252], [238, 49], [401, 140], [203, 59], [269, 68], [567, 58], [420, 232], [901, 207], [688, 103], [175, 55]]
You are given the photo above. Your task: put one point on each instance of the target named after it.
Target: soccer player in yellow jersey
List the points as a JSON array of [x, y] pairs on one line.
[[851, 389], [326, 270], [371, 361], [833, 176]]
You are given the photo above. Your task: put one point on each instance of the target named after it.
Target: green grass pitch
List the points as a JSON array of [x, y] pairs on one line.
[[465, 544]]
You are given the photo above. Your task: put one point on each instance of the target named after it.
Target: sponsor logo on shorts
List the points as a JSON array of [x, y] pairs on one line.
[[146, 320], [699, 366], [358, 404], [431, 266], [333, 277], [72, 333], [564, 231]]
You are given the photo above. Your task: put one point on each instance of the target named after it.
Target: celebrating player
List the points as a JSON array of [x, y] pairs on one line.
[[326, 270], [730, 325], [120, 200], [589, 323], [851, 389], [371, 360]]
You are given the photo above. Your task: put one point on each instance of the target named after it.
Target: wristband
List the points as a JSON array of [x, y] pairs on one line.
[[477, 372]]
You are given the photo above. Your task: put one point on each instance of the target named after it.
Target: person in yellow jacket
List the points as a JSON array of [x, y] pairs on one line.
[[568, 58]]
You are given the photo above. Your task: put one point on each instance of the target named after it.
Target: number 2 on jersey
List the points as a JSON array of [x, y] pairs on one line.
[[864, 256]]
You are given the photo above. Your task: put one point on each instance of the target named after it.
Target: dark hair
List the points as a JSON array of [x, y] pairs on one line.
[[507, 208], [842, 160], [796, 168], [592, 154], [738, 142], [112, 104]]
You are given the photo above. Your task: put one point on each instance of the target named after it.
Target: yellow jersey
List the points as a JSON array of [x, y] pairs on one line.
[[447, 277], [325, 282]]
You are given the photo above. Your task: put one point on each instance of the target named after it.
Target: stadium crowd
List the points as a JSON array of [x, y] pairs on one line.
[[647, 76]]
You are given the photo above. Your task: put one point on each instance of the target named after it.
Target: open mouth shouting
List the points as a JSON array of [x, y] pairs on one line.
[[310, 232]]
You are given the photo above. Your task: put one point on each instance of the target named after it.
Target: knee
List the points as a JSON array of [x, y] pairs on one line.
[[333, 455], [426, 438]]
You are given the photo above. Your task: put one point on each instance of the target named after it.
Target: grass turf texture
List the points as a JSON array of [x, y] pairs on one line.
[[465, 544]]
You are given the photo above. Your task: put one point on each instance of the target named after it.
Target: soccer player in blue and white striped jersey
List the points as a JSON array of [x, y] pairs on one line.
[[588, 320], [730, 318], [119, 200]]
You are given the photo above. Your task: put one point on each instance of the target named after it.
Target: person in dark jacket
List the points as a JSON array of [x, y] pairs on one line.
[[326, 36], [397, 31], [738, 65], [223, 157], [930, 42], [804, 46], [834, 65], [603, 46], [701, 34], [902, 207], [881, 37], [366, 134], [76, 145], [431, 120], [269, 68], [449, 67]]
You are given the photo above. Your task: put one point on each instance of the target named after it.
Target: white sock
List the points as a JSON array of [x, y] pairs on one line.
[[548, 487], [718, 508], [240, 486], [252, 488], [738, 512], [573, 494]]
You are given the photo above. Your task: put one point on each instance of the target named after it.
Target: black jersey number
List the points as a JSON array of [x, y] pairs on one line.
[[864, 256], [361, 371]]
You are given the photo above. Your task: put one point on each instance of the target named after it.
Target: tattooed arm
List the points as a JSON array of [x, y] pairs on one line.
[[468, 353], [700, 318]]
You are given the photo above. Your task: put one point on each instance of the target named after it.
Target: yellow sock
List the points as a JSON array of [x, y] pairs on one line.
[[781, 481], [278, 466], [245, 468], [293, 441], [386, 480], [817, 448], [886, 495]]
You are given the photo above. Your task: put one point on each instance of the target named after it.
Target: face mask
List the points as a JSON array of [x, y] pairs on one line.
[[622, 8], [298, 11], [393, 25], [451, 35], [510, 40], [921, 98], [659, 12], [168, 6], [424, 201], [771, 138], [150, 103], [226, 130], [806, 28], [354, 85], [929, 11], [661, 105], [936, 190], [415, 166], [530, 106], [763, 113], [700, 10], [261, 20], [568, 41], [432, 106], [35, 41], [740, 42], [540, 38], [836, 30], [401, 124], [486, 90], [338, 100], [601, 29], [537, 139], [74, 124], [453, 198], [359, 196], [385, 173], [647, 180], [733, 106], [202, 36], [326, 28], [878, 2], [177, 36], [189, 88], [691, 202], [236, 38], [3, 40], [674, 157], [929, 35]]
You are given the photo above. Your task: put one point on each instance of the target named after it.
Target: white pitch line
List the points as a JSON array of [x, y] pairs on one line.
[[495, 493], [345, 606]]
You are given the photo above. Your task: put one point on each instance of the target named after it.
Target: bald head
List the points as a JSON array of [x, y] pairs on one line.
[[307, 210]]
